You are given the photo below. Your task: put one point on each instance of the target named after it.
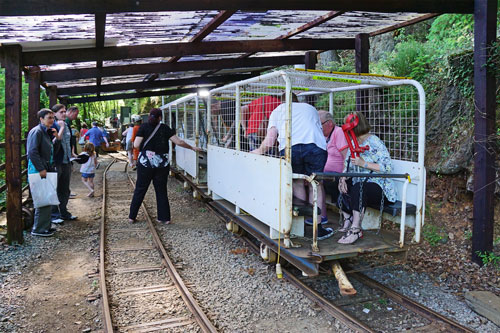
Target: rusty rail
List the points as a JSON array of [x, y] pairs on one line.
[[338, 313], [108, 324], [188, 298]]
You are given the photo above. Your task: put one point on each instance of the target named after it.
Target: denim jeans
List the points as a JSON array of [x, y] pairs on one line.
[[307, 158]]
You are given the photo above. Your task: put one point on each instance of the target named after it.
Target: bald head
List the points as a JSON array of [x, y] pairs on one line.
[[327, 122]]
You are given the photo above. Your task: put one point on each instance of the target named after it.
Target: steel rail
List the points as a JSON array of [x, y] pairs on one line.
[[188, 298], [335, 311], [410, 304], [108, 324], [338, 313]]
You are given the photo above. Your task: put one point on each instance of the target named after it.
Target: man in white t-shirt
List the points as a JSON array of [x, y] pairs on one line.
[[308, 146]]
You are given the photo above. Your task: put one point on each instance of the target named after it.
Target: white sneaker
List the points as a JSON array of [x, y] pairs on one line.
[[57, 221]]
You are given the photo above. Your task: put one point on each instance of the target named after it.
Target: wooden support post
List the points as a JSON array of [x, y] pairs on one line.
[[34, 96], [362, 50], [484, 127], [52, 91], [311, 59], [13, 79]]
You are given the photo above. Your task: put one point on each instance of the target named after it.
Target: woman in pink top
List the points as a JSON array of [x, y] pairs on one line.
[[336, 147]]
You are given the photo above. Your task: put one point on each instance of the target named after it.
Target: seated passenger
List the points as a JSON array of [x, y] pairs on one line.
[[227, 110], [376, 159], [308, 146], [256, 116], [336, 148]]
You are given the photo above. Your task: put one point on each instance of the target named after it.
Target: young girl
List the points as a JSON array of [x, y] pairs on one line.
[[88, 168]]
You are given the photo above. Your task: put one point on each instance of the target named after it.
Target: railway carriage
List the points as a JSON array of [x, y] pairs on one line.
[[187, 116], [255, 191]]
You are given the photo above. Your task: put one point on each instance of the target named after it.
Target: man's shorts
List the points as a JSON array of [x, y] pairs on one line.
[[307, 158]]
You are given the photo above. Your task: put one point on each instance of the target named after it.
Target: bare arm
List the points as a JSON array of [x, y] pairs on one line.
[[138, 141], [178, 141], [270, 139], [59, 134]]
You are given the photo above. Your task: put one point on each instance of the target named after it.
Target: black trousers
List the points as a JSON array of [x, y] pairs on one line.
[[63, 191], [332, 188], [159, 176], [372, 196]]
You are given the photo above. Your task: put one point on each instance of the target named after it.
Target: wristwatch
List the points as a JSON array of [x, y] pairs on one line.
[[365, 165]]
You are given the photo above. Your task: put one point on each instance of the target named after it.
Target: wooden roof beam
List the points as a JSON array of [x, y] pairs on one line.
[[403, 24], [60, 7], [100, 33], [220, 18], [144, 85], [131, 95], [183, 49], [164, 67]]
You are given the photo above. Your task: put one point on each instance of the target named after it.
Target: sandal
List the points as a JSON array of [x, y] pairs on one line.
[[351, 236], [347, 224]]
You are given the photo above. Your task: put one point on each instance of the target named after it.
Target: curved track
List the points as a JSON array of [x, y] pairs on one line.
[[156, 286]]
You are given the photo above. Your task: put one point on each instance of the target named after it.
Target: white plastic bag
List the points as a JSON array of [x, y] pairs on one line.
[[43, 190]]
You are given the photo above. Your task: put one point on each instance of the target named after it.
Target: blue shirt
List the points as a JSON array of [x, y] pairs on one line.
[[95, 136]]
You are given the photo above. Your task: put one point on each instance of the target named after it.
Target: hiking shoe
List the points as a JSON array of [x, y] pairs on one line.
[[58, 221], [47, 233], [309, 221], [324, 233]]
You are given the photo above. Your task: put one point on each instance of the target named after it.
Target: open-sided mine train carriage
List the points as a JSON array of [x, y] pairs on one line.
[[256, 189]]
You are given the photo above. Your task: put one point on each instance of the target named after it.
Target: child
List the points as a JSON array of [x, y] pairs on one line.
[[88, 168]]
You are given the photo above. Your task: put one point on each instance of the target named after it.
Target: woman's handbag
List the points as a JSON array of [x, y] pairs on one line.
[[43, 190], [151, 159]]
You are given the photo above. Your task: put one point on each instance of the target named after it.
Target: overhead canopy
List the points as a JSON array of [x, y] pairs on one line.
[[93, 47]]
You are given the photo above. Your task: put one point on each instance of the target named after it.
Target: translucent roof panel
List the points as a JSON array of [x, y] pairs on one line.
[[262, 25], [350, 24]]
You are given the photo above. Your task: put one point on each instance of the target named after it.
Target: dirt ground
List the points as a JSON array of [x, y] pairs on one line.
[[50, 284]]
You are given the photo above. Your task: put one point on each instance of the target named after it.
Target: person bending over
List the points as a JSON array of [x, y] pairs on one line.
[[308, 146]]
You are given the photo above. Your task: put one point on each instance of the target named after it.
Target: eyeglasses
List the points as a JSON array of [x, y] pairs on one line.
[[325, 121]]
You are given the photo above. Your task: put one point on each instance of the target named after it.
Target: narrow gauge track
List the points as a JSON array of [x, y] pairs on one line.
[[435, 321], [137, 294]]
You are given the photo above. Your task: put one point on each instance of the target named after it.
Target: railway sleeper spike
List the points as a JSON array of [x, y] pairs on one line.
[[345, 286]]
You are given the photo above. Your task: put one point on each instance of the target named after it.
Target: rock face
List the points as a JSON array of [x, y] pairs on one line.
[[485, 303]]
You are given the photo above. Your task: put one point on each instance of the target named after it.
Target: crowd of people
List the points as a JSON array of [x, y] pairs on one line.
[[53, 146]]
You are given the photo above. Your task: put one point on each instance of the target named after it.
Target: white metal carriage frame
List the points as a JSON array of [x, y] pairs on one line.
[[187, 122], [261, 185]]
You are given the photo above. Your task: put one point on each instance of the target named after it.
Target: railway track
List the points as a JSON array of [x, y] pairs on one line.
[[140, 286], [429, 321]]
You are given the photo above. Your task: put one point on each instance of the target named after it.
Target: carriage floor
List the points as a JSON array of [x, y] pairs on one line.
[[329, 249]]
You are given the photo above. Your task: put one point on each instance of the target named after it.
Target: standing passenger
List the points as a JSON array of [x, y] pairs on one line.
[[63, 167], [88, 168], [129, 144], [258, 112], [308, 146], [153, 164], [40, 160], [95, 136]]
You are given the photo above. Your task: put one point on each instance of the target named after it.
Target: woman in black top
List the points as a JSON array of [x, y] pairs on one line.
[[153, 164]]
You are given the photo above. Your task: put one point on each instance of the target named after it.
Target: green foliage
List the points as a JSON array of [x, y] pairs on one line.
[[433, 235], [489, 259]]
